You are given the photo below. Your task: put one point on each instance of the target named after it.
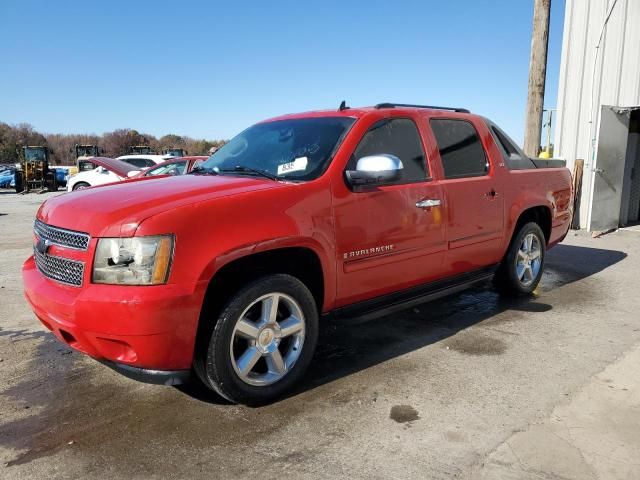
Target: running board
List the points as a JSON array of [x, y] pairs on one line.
[[397, 301]]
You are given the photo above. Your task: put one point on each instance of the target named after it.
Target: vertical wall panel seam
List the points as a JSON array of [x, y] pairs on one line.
[[564, 68], [577, 120]]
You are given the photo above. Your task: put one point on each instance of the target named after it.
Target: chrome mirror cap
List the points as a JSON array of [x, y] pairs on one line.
[[379, 163]]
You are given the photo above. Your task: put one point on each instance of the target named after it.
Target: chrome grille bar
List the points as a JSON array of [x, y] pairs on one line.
[[62, 270], [61, 237]]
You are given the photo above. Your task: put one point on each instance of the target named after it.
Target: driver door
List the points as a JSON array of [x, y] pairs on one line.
[[386, 239]]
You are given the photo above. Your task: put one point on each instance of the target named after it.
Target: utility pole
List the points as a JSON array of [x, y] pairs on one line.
[[537, 74]]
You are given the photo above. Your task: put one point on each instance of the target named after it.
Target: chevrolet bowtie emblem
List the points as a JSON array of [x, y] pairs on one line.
[[43, 245]]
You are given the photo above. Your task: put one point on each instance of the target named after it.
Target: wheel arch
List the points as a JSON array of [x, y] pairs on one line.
[[539, 214]]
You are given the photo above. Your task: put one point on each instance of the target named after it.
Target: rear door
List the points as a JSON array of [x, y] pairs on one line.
[[386, 241], [471, 191]]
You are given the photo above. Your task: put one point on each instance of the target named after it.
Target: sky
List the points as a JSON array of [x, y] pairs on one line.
[[209, 69]]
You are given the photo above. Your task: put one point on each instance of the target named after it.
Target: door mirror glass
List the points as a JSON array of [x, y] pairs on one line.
[[375, 170]]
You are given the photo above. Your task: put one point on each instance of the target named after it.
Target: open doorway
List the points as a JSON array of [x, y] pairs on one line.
[[615, 200], [630, 208]]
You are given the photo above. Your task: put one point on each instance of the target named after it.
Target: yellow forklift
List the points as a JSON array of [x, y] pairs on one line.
[[141, 150], [175, 152], [33, 172], [83, 157]]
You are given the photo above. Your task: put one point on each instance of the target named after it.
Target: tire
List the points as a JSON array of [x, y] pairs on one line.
[[19, 181], [81, 185], [51, 182], [255, 361], [514, 278]]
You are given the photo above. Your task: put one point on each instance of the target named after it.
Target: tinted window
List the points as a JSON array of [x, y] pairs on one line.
[[514, 157], [140, 162], [136, 162], [507, 147], [460, 148], [397, 137]]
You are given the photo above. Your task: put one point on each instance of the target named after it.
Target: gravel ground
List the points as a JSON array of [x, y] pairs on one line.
[[472, 386]]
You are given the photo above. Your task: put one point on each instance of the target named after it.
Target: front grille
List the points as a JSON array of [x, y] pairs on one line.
[[60, 269], [62, 237]]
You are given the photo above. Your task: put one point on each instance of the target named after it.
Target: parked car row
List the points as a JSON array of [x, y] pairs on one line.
[[8, 176], [112, 170]]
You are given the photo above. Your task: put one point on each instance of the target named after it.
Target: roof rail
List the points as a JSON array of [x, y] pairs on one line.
[[393, 105]]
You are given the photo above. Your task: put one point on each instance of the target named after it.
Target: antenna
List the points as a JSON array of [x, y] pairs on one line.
[[343, 106]]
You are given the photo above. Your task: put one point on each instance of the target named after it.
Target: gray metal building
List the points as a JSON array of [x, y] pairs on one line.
[[599, 108]]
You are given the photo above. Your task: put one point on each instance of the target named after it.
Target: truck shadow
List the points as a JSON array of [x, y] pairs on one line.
[[349, 346]]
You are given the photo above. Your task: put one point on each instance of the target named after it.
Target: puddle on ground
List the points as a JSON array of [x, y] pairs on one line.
[[403, 414], [474, 344]]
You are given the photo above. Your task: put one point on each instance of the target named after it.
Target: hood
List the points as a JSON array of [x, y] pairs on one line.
[[114, 165], [117, 209]]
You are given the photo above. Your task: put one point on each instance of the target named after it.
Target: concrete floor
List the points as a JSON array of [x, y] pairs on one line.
[[470, 387]]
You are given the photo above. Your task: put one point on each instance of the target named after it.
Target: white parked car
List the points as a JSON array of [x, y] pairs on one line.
[[112, 170]]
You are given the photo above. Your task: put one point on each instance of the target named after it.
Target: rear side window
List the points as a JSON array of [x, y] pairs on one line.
[[507, 147], [395, 136], [514, 158], [461, 152]]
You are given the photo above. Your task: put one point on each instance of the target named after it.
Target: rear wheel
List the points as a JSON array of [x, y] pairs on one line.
[[81, 185], [51, 181], [262, 342], [521, 269], [19, 181]]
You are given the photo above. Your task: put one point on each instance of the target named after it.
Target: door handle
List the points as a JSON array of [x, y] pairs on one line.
[[491, 194], [428, 203]]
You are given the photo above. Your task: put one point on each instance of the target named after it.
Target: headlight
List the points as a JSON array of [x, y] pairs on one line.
[[133, 261]]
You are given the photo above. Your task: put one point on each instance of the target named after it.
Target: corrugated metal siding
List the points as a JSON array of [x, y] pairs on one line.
[[615, 80]]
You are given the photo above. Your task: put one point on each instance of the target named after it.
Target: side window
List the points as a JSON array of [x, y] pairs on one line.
[[148, 163], [135, 162], [460, 148], [507, 147], [399, 137]]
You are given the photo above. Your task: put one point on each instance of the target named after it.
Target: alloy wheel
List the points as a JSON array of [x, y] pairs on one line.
[[529, 259], [267, 339]]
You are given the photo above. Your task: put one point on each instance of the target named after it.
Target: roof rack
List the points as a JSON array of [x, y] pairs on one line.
[[393, 105]]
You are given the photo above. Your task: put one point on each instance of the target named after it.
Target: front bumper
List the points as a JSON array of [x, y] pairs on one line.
[[150, 328], [157, 377]]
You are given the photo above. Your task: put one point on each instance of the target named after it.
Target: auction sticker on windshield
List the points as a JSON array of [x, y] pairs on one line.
[[297, 165]]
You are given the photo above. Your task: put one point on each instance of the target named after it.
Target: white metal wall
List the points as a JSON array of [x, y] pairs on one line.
[[589, 80]]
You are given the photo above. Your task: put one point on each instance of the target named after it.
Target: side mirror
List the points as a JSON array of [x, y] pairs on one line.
[[374, 170], [133, 173]]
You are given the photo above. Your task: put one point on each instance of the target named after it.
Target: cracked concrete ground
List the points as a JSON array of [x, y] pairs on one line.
[[473, 386]]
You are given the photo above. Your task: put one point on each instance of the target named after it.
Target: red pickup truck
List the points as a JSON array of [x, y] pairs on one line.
[[224, 274]]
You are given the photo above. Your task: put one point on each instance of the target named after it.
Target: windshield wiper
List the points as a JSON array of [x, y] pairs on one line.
[[199, 170], [243, 169]]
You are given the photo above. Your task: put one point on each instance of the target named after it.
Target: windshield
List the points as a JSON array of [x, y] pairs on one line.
[[176, 168], [297, 149], [87, 151], [34, 154]]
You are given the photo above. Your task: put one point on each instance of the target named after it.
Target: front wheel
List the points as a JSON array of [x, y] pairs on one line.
[[521, 269], [81, 186], [262, 342]]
